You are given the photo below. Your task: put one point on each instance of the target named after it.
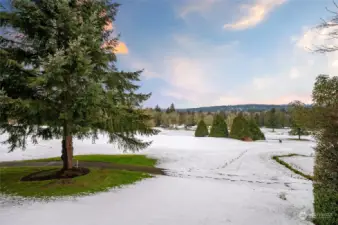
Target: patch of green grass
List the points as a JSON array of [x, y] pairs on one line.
[[277, 159], [97, 180], [291, 155], [138, 160]]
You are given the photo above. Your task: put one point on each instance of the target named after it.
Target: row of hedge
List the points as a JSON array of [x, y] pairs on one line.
[[241, 129]]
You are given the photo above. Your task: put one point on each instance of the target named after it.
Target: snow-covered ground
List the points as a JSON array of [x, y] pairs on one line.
[[283, 134], [212, 181], [304, 164]]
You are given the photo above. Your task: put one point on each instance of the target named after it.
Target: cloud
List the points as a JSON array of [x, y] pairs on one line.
[[228, 100], [193, 68], [189, 67], [199, 72], [196, 6], [311, 39], [137, 64], [290, 98], [202, 73], [294, 73], [247, 15], [109, 26], [293, 82], [121, 48], [254, 14]]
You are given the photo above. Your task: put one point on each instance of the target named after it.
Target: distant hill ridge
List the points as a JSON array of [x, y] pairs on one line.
[[245, 107]]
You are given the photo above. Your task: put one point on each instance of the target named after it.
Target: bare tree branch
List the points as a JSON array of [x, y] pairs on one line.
[[331, 28]]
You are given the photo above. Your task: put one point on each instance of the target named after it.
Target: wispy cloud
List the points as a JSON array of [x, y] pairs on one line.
[[247, 15], [200, 73], [193, 69], [196, 6], [310, 39], [253, 14]]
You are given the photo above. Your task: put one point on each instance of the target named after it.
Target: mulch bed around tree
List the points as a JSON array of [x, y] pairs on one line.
[[52, 174]]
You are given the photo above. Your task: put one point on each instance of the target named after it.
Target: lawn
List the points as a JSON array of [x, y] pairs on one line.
[[97, 180], [137, 160]]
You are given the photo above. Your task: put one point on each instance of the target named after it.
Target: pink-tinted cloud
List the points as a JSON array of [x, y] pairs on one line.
[[120, 48], [289, 98], [254, 15], [109, 26]]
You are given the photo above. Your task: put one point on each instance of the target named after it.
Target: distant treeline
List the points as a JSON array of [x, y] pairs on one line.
[[273, 118], [236, 108]]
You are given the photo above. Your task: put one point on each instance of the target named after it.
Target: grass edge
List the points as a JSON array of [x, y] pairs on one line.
[[288, 166]]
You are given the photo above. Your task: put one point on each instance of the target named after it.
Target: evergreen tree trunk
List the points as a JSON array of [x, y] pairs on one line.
[[67, 148], [298, 133]]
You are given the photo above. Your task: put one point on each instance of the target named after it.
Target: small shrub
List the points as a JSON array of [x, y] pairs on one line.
[[201, 130]]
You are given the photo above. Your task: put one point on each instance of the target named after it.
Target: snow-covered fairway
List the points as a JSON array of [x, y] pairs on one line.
[[212, 181]]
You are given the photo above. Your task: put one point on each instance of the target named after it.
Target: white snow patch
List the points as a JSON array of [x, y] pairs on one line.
[[212, 181], [304, 164]]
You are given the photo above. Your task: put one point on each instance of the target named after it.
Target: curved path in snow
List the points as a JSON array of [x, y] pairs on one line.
[[212, 181]]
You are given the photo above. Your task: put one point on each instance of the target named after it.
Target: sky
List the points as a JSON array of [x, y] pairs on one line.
[[222, 52]]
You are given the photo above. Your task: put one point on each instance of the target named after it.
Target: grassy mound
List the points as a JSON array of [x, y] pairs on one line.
[[17, 180], [138, 160], [97, 180]]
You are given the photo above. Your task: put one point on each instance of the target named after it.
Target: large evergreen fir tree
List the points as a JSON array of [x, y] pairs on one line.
[[59, 80], [219, 127], [202, 129]]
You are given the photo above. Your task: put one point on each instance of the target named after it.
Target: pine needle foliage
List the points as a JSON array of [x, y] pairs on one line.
[[219, 127], [58, 77], [201, 130]]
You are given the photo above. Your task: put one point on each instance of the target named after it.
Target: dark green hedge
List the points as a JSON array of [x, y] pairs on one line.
[[202, 129], [219, 127]]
